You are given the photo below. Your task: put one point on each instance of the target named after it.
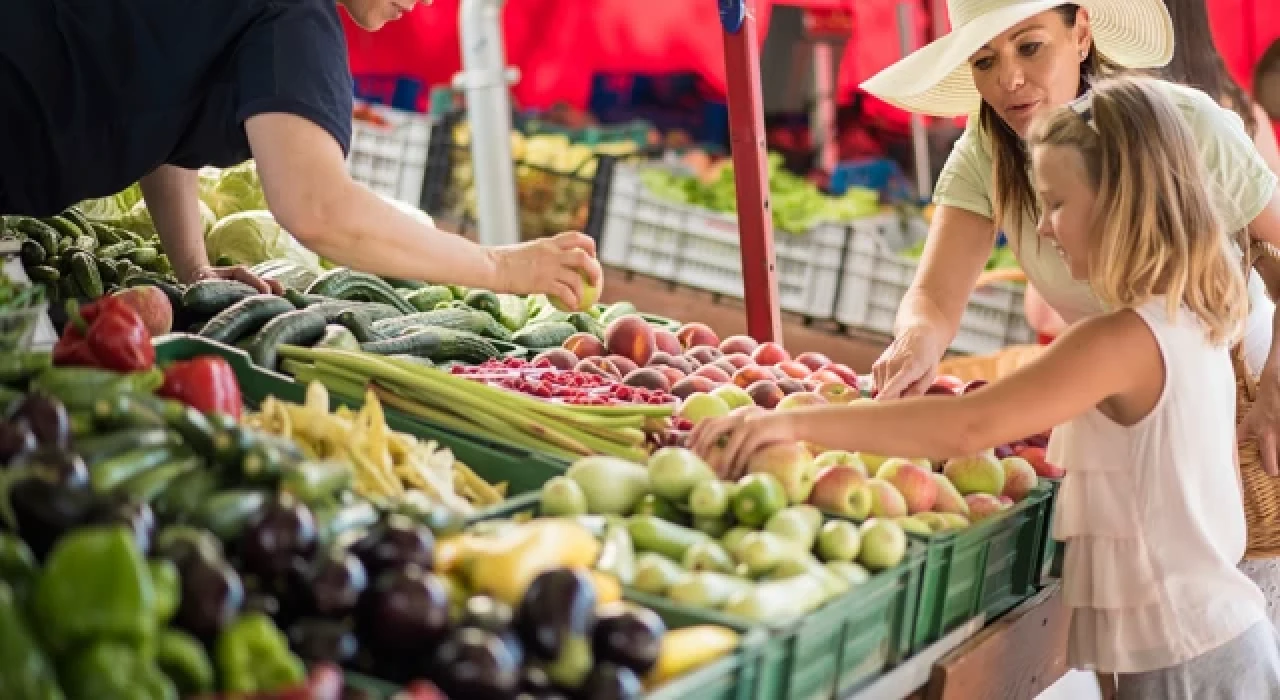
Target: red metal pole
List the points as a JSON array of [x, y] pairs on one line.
[[751, 170]]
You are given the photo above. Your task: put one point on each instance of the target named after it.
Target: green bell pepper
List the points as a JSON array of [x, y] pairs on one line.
[[18, 566], [110, 670], [95, 585], [253, 657], [25, 672], [184, 660], [168, 587]]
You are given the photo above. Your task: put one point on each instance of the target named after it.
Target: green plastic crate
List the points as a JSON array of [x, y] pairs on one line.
[[984, 569], [832, 651], [1052, 551], [525, 472]]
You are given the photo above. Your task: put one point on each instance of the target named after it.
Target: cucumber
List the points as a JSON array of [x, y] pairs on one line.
[[85, 270], [32, 253], [65, 228], [266, 459], [485, 301], [458, 319], [342, 283], [196, 430], [314, 481], [368, 311], [244, 318], [437, 345], [104, 446], [616, 311], [115, 250], [106, 273], [334, 521], [107, 475], [290, 328], [81, 221], [86, 243], [105, 235], [231, 443], [586, 323], [428, 298], [513, 311], [142, 256], [397, 283], [146, 487], [356, 326], [123, 410], [209, 297], [303, 300], [548, 334], [227, 513], [185, 495], [39, 232], [43, 274]]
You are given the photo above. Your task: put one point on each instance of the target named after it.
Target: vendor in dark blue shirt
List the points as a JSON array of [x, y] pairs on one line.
[[98, 94]]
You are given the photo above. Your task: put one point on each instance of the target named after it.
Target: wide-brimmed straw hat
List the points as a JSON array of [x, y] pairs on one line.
[[936, 79]]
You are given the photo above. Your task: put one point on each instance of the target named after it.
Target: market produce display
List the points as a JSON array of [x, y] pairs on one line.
[[797, 204], [21, 306]]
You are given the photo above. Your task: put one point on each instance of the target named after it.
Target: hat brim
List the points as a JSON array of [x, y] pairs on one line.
[[936, 80]]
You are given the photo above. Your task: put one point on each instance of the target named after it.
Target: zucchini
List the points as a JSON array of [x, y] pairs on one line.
[[227, 513], [437, 345], [143, 256], [267, 459], [303, 300], [97, 448], [428, 298], [290, 328], [115, 250], [185, 495], [485, 301], [338, 337], [108, 474], [32, 253], [586, 323], [126, 410], [548, 334], [458, 319], [85, 270], [357, 326], [342, 283], [397, 283], [147, 486], [244, 318], [43, 274], [313, 481], [209, 297]]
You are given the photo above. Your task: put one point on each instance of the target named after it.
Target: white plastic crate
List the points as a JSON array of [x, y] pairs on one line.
[[391, 159], [877, 276], [699, 248]]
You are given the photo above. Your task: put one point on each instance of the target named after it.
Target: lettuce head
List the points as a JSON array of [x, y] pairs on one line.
[[235, 189], [252, 237]]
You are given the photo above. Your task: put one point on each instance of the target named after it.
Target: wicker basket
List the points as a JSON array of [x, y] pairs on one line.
[[1260, 491], [990, 367]]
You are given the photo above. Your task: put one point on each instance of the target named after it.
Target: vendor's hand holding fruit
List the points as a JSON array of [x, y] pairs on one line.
[[727, 443], [563, 267]]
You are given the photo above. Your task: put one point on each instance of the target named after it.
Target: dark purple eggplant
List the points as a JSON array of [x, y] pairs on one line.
[[212, 595], [609, 681], [137, 516], [628, 635], [474, 664], [318, 640], [16, 440], [491, 615], [336, 584], [56, 465], [394, 543], [406, 610], [283, 530], [48, 419], [560, 604], [534, 680], [50, 500]]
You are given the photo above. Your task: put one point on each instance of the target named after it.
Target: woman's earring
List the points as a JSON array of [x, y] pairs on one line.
[[1084, 55]]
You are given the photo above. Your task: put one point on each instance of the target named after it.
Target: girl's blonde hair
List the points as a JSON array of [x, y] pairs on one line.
[[1155, 230]]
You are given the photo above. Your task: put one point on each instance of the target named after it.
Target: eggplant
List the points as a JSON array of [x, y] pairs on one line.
[[212, 595], [609, 681], [48, 419], [16, 440], [394, 543], [51, 499], [405, 612], [336, 584], [136, 516], [283, 530], [56, 465], [628, 635], [491, 615], [319, 640], [181, 543], [559, 605], [475, 664]]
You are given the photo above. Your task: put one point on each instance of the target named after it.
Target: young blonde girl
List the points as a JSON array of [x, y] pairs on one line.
[[1143, 398]]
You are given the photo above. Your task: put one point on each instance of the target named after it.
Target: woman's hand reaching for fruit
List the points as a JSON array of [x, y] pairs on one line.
[[564, 267], [239, 273], [728, 443]]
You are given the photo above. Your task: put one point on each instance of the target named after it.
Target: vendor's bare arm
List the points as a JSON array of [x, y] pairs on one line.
[[311, 194], [955, 253], [172, 196], [1266, 228]]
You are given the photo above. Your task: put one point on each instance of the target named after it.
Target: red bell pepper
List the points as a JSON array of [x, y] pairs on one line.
[[106, 334], [205, 383]]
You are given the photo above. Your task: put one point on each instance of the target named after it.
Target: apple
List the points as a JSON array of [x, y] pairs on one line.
[[152, 306], [675, 471], [886, 500], [955, 384], [586, 300], [791, 464], [839, 540], [916, 485], [980, 473], [813, 360], [884, 544], [1019, 478], [800, 400], [701, 406], [983, 506], [841, 489], [733, 395], [832, 458], [973, 385], [1036, 457], [837, 392]]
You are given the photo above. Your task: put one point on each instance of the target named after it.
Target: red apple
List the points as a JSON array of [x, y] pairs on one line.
[[770, 354], [151, 305], [813, 360]]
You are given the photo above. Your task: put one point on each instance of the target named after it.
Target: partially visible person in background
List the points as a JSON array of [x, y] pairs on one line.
[[1266, 81], [1041, 317]]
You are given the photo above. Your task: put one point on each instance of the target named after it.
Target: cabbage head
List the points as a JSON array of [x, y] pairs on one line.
[[252, 237], [139, 220], [114, 208], [236, 189], [207, 219]]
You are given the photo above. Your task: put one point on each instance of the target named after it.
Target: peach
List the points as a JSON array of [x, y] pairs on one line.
[[770, 354], [1019, 478], [672, 374], [826, 376], [692, 335], [791, 386], [794, 369], [917, 487], [559, 358], [680, 362], [692, 385], [598, 365], [648, 378], [625, 365], [778, 373], [846, 374], [666, 341], [725, 366], [739, 359], [632, 338], [810, 385], [713, 373], [813, 360], [765, 393], [983, 506], [800, 400], [738, 344], [704, 354], [747, 376], [584, 345]]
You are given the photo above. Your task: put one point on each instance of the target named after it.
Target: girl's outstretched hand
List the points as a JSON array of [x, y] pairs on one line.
[[728, 443]]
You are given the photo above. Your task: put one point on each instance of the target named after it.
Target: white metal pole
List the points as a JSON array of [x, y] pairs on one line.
[[484, 79], [919, 137], [822, 119]]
